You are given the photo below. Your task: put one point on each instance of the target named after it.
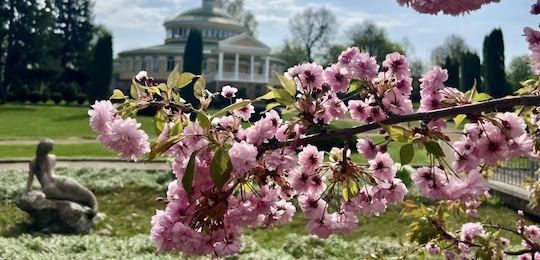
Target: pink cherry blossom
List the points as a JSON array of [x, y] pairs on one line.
[[397, 64], [126, 138], [244, 112], [471, 230], [367, 148], [364, 67], [359, 110], [382, 166], [228, 92], [337, 77], [101, 115], [243, 157], [310, 158]]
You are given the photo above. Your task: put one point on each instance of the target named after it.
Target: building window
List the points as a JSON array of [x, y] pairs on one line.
[[155, 64], [205, 64], [170, 63], [130, 64], [143, 64]]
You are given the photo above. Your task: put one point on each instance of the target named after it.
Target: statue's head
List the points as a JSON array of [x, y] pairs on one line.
[[44, 147]]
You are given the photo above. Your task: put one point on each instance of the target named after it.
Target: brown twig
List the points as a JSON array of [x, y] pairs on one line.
[[487, 106]]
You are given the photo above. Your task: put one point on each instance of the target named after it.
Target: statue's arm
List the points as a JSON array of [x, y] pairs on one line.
[[30, 179]]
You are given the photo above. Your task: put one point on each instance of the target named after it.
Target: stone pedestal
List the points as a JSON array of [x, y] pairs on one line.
[[56, 216]]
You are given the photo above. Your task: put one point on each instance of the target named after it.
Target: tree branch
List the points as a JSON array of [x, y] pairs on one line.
[[487, 106]]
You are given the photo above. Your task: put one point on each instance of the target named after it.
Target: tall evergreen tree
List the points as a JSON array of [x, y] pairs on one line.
[[193, 60], [470, 71], [102, 66], [452, 65], [494, 75], [29, 57], [74, 23]]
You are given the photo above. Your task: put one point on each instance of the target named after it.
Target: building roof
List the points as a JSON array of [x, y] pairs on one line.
[[169, 48], [205, 15]]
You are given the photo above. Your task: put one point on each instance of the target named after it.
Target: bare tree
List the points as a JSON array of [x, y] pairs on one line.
[[313, 28], [453, 47], [372, 39], [236, 9]]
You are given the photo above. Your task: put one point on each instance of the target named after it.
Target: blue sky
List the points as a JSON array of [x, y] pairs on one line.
[[138, 23]]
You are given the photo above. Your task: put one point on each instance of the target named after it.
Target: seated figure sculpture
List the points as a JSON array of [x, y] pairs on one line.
[[57, 187]]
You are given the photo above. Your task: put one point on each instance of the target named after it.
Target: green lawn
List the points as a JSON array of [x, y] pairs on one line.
[[49, 121], [60, 150]]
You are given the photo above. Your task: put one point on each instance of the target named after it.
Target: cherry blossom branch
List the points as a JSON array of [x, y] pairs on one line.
[[476, 108]]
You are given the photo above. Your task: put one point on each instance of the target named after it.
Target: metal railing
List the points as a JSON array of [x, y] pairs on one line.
[[516, 171]]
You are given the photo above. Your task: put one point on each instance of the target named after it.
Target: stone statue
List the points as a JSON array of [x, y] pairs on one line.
[[64, 205], [57, 187]]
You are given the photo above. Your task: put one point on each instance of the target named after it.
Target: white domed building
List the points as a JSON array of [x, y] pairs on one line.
[[230, 54]]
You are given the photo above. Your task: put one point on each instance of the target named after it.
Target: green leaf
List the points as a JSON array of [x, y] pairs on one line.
[[176, 129], [458, 120], [187, 180], [406, 153], [355, 85], [399, 133], [232, 107], [159, 121], [271, 106], [162, 87], [134, 90], [481, 97], [203, 120], [177, 80], [475, 96], [162, 147], [220, 168], [288, 84], [117, 95], [267, 96], [154, 90], [350, 190], [434, 148], [199, 87], [282, 96]]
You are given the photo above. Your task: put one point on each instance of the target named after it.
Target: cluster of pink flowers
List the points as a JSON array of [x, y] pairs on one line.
[[116, 133], [389, 90], [454, 7], [309, 180], [227, 179], [485, 142], [533, 39]]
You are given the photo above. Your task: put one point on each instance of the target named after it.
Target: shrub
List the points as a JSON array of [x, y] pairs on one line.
[[56, 97], [21, 93], [34, 96], [11, 97], [81, 98], [45, 95], [70, 93]]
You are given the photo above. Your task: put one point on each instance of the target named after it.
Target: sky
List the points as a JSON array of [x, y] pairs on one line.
[[139, 23]]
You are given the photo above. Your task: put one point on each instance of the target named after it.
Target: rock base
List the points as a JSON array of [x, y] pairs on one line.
[[56, 216]]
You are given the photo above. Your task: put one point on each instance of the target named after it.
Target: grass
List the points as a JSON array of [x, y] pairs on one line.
[[60, 150], [49, 121]]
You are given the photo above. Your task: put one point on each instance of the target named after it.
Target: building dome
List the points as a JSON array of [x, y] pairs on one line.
[[214, 23]]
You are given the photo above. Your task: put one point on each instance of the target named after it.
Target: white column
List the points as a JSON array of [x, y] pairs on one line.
[[236, 66], [252, 67], [220, 66], [267, 69]]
